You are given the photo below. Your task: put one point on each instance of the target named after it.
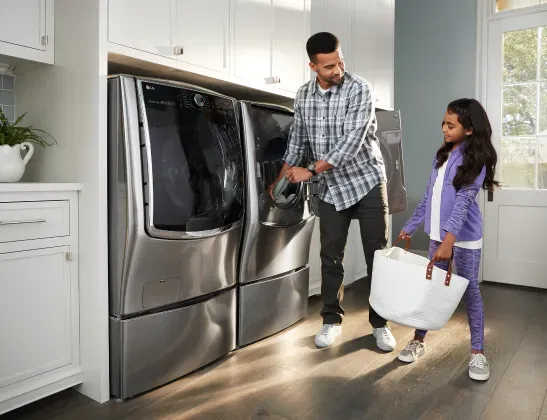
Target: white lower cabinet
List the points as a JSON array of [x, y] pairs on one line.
[[39, 299], [354, 261], [355, 266]]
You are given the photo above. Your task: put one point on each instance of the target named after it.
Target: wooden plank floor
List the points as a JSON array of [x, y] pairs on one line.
[[286, 378]]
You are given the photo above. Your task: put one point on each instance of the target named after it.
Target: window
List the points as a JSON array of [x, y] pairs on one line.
[[523, 147], [502, 5]]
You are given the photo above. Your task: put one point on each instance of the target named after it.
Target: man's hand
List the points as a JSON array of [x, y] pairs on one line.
[[444, 252], [296, 175], [271, 189]]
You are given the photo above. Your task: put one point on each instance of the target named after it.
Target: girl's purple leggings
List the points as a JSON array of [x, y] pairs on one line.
[[467, 265]]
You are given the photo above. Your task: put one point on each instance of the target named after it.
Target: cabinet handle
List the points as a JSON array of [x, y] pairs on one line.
[[178, 50], [21, 222], [272, 80]]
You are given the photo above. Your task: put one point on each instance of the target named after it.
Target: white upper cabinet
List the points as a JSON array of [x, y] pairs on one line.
[[26, 29], [290, 33], [364, 35], [203, 33], [335, 16], [366, 29], [270, 42], [384, 56], [253, 40], [23, 22], [143, 24], [256, 43]]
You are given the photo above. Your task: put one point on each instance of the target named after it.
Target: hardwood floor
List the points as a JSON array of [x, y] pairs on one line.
[[286, 378]]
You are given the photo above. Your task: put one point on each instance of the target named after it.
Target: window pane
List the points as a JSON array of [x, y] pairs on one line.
[[543, 59], [514, 4], [518, 158], [542, 161], [519, 110], [543, 108], [520, 56]]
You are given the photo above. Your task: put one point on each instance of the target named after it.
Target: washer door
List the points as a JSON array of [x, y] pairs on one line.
[[271, 132], [193, 162]]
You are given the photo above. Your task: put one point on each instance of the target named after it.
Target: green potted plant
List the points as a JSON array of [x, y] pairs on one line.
[[14, 138]]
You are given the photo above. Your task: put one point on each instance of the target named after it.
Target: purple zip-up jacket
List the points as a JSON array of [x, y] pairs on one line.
[[460, 212]]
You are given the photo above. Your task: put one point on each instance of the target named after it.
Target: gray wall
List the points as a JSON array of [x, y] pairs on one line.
[[434, 64]]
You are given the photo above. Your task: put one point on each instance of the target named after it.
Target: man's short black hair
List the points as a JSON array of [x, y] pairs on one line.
[[321, 43]]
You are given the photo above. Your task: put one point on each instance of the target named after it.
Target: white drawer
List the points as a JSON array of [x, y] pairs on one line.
[[28, 220]]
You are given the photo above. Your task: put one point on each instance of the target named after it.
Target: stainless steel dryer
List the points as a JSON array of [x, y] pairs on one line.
[[176, 205], [274, 270]]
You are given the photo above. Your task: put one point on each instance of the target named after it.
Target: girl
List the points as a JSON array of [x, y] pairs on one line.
[[465, 162]]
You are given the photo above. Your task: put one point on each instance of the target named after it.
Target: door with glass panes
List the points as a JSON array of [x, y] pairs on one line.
[[516, 214]]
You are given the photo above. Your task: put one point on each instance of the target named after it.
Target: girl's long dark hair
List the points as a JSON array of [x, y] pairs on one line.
[[478, 150]]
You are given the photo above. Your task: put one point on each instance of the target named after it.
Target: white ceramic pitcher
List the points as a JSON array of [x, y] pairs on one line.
[[12, 165]]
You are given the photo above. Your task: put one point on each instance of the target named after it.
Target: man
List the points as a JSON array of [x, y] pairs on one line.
[[335, 119]]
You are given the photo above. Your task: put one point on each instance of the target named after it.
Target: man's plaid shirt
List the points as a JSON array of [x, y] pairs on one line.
[[338, 127]]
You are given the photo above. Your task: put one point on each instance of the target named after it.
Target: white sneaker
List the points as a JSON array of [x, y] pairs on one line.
[[384, 339], [412, 351], [479, 369], [325, 337]]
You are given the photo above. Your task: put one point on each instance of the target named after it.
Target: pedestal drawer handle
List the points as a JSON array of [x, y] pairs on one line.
[[21, 222]]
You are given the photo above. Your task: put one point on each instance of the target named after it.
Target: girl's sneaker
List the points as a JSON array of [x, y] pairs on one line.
[[479, 369], [412, 351]]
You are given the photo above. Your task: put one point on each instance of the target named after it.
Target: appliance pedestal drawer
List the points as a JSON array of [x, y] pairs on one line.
[[269, 306]]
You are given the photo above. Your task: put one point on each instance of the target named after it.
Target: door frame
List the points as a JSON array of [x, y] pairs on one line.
[[486, 13]]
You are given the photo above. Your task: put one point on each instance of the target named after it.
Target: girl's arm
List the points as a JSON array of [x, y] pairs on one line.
[[418, 217], [464, 198]]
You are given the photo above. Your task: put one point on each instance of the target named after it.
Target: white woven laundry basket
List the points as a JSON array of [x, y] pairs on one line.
[[409, 290]]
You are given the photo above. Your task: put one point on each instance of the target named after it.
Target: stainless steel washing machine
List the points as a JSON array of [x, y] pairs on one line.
[[176, 207], [274, 270]]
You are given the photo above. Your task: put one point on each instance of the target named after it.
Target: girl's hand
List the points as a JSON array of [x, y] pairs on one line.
[[445, 250], [404, 236]]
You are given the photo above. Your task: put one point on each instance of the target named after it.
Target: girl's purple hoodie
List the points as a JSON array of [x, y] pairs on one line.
[[460, 213]]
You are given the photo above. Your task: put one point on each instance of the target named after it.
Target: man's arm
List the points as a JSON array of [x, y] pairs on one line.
[[356, 125], [296, 148]]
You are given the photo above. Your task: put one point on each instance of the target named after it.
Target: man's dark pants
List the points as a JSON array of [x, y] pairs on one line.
[[372, 213]]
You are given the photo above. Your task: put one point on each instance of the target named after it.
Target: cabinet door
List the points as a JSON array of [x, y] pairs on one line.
[[336, 16], [143, 25], [384, 60], [203, 29], [315, 259], [23, 22], [350, 254], [253, 27], [290, 33], [364, 39], [36, 302]]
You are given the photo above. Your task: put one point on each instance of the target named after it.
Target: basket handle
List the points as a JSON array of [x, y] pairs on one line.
[[429, 272], [407, 247]]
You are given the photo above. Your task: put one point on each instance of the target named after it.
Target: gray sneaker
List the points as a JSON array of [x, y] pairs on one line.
[[479, 369], [412, 351]]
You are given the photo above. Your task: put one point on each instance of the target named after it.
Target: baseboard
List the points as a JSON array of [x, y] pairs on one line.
[[33, 389]]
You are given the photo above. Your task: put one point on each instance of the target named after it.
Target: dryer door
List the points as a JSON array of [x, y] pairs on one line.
[[271, 128], [193, 161]]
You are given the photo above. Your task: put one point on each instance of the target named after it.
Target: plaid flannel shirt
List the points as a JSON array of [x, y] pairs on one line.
[[338, 127]]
